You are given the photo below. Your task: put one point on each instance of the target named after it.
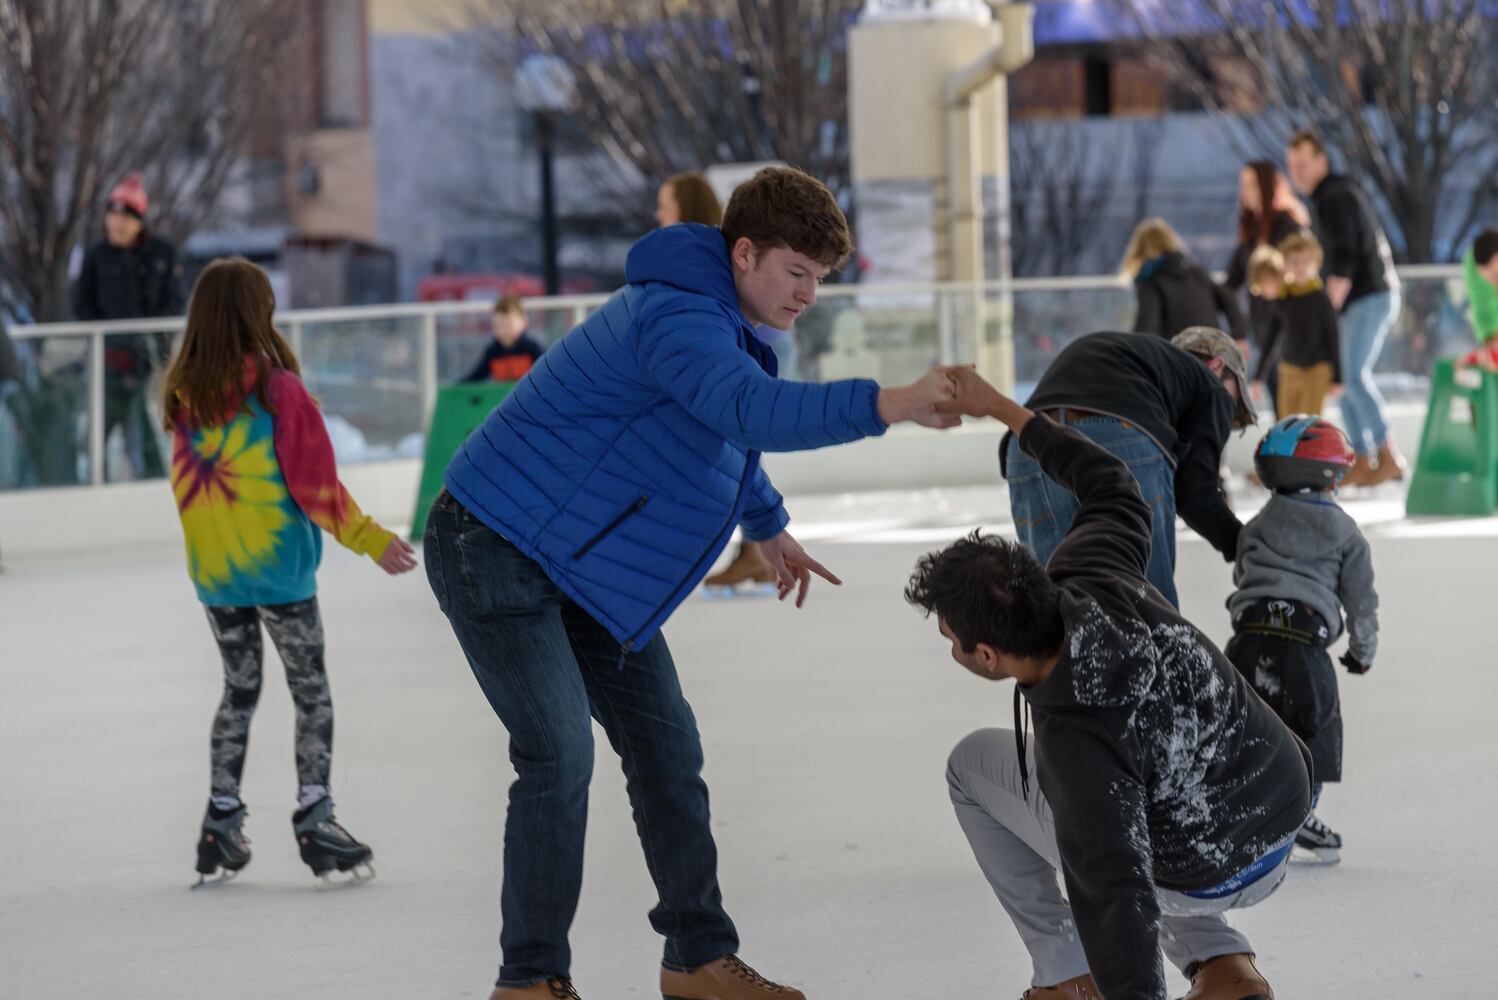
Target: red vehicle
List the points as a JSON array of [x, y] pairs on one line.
[[461, 287]]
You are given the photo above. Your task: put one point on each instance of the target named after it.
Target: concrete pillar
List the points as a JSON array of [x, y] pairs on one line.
[[928, 120]]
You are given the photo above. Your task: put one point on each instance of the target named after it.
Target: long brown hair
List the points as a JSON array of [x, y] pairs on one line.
[[1274, 200], [695, 199], [228, 320]]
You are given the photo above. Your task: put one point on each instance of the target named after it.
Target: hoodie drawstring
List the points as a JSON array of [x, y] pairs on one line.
[[1021, 732]]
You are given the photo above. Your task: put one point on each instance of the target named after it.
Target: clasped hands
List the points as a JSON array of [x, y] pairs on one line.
[[940, 398]]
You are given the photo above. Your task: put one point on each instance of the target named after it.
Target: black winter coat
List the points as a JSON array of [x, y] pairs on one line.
[[135, 282], [1176, 293], [1283, 226]]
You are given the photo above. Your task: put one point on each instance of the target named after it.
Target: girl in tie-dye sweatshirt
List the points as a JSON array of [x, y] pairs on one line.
[[256, 485]]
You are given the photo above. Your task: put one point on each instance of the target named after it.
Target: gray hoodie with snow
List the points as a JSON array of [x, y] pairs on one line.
[[1305, 548]]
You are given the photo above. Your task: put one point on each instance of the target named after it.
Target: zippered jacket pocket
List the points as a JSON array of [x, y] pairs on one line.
[[611, 527]]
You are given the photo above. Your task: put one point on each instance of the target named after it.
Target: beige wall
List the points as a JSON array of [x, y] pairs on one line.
[[416, 17], [345, 202], [895, 73]]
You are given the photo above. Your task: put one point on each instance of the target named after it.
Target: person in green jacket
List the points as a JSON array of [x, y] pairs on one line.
[[1480, 266]]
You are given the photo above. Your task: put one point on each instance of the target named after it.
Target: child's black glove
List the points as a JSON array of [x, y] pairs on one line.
[[1355, 665]]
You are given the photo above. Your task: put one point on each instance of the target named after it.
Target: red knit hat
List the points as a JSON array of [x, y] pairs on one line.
[[130, 195]]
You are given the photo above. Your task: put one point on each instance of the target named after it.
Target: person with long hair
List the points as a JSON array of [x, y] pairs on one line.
[[1268, 214], [255, 482], [687, 197], [1174, 292]]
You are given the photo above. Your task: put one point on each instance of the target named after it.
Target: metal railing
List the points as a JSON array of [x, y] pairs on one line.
[[377, 369]]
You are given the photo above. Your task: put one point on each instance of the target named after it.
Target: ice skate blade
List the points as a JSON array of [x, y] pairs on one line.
[[355, 876], [204, 882], [754, 590], [1317, 856]]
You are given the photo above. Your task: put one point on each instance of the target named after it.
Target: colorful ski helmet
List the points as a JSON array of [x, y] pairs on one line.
[[1302, 452]]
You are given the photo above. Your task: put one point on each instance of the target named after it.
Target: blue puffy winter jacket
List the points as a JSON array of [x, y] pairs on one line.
[[623, 460]]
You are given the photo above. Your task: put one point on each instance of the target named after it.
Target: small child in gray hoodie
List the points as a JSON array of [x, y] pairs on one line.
[[1301, 562]]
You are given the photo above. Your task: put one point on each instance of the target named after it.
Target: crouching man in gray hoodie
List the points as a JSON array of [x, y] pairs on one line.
[[1300, 563]]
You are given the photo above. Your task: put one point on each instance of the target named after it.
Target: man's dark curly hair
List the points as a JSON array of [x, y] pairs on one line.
[[990, 590]]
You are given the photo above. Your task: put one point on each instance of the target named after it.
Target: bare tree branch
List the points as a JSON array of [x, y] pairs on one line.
[[1402, 89], [91, 89], [668, 86]]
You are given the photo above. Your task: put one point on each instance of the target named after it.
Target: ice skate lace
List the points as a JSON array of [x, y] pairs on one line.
[[562, 989], [739, 969], [1314, 825]]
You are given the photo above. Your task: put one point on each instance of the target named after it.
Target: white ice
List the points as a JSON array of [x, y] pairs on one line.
[[826, 733]]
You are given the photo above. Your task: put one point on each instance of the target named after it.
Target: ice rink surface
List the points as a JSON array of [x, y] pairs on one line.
[[826, 732]]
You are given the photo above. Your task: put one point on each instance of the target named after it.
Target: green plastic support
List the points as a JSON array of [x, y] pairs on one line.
[[1456, 473], [460, 409]]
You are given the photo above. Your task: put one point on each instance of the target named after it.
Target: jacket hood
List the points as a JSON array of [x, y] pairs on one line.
[[1308, 527], [1172, 264], [687, 257]]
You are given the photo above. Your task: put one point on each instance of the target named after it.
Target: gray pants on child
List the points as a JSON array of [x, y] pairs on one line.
[[1015, 844]]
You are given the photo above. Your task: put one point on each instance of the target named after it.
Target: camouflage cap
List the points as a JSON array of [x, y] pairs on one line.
[[1206, 342]]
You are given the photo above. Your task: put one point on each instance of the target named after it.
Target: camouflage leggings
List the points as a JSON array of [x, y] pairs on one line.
[[296, 629]]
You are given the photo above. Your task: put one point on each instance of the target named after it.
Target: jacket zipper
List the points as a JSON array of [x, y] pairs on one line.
[[749, 471], [627, 513]]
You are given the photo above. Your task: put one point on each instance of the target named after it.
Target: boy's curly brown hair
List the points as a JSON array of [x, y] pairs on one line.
[[786, 207]]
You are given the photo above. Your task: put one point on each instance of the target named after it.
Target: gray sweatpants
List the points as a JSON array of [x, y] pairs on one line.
[[1015, 844]]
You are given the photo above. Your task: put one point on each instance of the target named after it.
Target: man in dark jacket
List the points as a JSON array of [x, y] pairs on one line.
[[1362, 284], [130, 274], [1168, 792], [1165, 409], [589, 505]]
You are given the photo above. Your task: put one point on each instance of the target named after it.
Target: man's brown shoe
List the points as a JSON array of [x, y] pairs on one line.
[[1229, 977], [552, 989], [726, 979], [1391, 465], [749, 567], [1361, 471], [1080, 988]]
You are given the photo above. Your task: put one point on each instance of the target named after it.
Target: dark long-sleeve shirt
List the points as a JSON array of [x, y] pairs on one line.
[[1352, 241], [1259, 309], [1169, 395], [505, 364], [1303, 331], [1160, 765]]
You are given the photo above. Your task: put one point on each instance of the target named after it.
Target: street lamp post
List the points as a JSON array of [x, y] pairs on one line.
[[544, 87]]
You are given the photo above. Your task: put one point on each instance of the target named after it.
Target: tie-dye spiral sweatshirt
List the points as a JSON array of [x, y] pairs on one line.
[[253, 493]]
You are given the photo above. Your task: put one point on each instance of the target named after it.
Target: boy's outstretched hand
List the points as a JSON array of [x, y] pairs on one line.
[[399, 557], [929, 401]]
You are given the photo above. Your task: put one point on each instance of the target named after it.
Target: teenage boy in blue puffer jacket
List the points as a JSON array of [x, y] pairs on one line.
[[589, 505]]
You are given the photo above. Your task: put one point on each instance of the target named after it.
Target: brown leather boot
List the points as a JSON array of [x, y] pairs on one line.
[[552, 989], [1229, 977], [726, 979], [1391, 465], [749, 567], [1360, 473], [1079, 988]]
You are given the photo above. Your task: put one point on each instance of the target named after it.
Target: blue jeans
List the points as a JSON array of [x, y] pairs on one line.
[[1365, 324], [1044, 510], [548, 668]]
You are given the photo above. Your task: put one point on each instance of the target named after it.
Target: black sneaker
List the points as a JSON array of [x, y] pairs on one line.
[[222, 843], [326, 846], [1320, 839]]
